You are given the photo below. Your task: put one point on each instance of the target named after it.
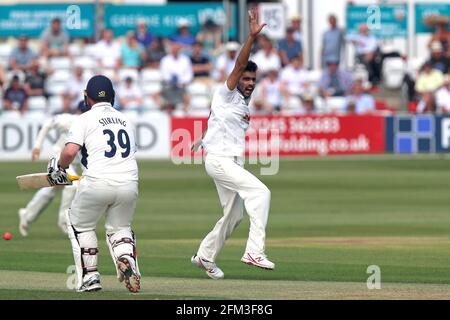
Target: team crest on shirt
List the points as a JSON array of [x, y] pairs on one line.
[[246, 118]]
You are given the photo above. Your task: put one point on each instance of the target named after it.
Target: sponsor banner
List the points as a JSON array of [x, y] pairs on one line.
[[162, 20], [17, 137], [295, 135], [78, 20], [442, 134], [426, 9], [384, 20]]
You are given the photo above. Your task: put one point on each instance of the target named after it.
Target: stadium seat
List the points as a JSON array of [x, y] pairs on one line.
[[61, 75], [5, 51], [90, 50], [150, 104], [360, 72], [56, 88], [60, 63], [86, 62], [294, 103], [150, 75], [393, 72], [335, 104], [151, 88], [200, 102], [55, 104], [198, 89], [37, 104], [314, 77], [75, 49]]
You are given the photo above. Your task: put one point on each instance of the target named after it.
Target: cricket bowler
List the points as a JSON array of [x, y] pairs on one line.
[[224, 142], [105, 138]]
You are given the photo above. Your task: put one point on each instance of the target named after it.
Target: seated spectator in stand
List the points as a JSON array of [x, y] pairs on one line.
[[335, 82], [108, 51], [183, 35], [154, 53], [2, 78], [143, 36], [359, 102], [442, 97], [270, 94], [130, 95], [288, 47], [74, 91], [22, 56], [201, 65], [210, 36], [266, 58], [132, 52], [35, 81], [15, 97], [332, 42], [294, 78], [176, 70], [438, 60], [225, 62], [308, 104], [296, 24], [442, 34], [54, 40], [428, 81], [367, 52]]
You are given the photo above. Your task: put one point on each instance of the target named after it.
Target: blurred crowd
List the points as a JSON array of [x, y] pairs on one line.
[[178, 74]]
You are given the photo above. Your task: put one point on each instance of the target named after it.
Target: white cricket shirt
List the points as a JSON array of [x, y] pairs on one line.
[[61, 123], [227, 123], [108, 144]]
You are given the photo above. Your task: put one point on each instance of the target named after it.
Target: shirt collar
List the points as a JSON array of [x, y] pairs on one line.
[[101, 104]]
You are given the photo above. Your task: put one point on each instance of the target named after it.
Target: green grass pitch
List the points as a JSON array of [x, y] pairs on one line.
[[330, 219]]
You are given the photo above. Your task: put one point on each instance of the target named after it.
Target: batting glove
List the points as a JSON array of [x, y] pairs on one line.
[[56, 172]]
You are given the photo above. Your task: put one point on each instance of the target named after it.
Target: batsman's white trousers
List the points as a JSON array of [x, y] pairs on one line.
[[96, 197], [237, 188]]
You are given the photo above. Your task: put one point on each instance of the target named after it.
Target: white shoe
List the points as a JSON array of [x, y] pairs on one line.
[[127, 269], [258, 260], [23, 224], [91, 284], [212, 270]]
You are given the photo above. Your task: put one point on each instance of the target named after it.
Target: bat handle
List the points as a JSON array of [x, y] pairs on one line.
[[73, 178]]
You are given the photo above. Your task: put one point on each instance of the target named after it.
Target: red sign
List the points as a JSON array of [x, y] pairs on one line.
[[296, 135]]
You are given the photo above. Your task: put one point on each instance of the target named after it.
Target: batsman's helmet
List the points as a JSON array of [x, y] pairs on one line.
[[100, 89]]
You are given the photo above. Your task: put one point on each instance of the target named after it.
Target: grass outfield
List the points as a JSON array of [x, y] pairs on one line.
[[330, 219]]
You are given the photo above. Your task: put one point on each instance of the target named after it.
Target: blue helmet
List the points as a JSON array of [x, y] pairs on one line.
[[100, 89]]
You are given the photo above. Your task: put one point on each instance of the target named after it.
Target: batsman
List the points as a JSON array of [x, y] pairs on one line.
[[109, 185]]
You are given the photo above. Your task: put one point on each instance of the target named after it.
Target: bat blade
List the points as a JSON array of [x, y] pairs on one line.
[[42, 180]]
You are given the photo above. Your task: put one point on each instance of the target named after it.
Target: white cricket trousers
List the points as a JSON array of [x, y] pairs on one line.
[[96, 197], [237, 188]]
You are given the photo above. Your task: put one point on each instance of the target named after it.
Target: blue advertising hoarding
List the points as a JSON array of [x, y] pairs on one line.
[[384, 21], [162, 20], [425, 9], [32, 19]]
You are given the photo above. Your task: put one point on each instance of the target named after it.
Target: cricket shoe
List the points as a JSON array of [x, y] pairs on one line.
[[212, 270], [127, 268], [23, 223], [91, 284], [258, 260]]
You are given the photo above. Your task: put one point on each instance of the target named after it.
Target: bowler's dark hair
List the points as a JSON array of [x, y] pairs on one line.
[[251, 66]]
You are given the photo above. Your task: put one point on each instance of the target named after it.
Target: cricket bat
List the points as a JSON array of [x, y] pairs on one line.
[[42, 180]]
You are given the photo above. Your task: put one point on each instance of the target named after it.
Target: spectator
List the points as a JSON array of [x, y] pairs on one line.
[[308, 103], [296, 24], [367, 52], [441, 34], [294, 78], [225, 62], [359, 102], [74, 91], [443, 97], [332, 42], [266, 58], [335, 82], [35, 81], [143, 36], [176, 70], [428, 81], [270, 97], [289, 47], [132, 52], [154, 53], [438, 60], [22, 56], [130, 96], [183, 35], [15, 97], [210, 36], [201, 65], [2, 78], [54, 40], [108, 51]]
